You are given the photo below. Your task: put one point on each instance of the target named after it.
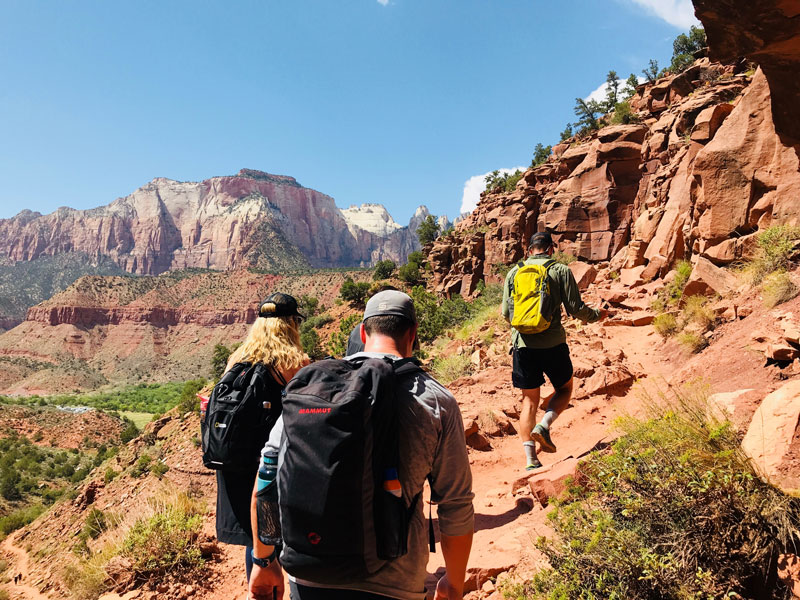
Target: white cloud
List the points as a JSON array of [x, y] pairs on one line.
[[475, 185], [383, 2], [679, 13], [600, 93]]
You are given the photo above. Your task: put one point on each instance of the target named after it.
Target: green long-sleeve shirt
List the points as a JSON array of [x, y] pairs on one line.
[[564, 290]]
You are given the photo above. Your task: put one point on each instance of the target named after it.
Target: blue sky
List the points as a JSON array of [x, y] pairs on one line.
[[399, 102]]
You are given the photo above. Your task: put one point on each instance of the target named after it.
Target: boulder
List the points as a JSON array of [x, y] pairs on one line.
[[771, 431], [611, 380], [707, 279], [549, 482], [584, 274]]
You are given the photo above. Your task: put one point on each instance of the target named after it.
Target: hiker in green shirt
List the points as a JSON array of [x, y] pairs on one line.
[[544, 353]]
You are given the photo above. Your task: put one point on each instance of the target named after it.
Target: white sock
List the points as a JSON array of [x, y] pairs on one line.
[[530, 451], [548, 419]]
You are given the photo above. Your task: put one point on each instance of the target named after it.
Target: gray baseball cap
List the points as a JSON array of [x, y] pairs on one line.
[[391, 302]]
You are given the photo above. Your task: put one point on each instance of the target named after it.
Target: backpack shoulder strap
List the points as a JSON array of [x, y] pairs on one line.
[[549, 263], [405, 366]]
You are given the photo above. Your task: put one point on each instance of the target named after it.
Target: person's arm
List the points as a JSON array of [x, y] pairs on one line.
[[572, 298], [455, 550], [451, 489], [263, 581], [506, 308]]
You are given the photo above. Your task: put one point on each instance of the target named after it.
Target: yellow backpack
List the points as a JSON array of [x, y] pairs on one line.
[[533, 304]]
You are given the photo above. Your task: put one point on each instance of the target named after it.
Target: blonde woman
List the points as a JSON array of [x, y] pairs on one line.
[[274, 342]]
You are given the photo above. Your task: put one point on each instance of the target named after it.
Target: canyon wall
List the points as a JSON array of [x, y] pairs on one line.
[[251, 219], [700, 173]]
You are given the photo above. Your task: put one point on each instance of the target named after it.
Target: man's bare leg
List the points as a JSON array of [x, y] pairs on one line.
[[527, 419], [556, 403]]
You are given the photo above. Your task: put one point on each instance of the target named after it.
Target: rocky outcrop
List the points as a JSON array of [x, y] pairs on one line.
[[700, 175], [769, 34], [251, 219]]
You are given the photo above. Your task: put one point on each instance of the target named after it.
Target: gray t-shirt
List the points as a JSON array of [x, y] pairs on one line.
[[431, 443]]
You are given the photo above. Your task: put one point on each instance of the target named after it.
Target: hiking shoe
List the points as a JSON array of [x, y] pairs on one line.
[[542, 435], [534, 465]]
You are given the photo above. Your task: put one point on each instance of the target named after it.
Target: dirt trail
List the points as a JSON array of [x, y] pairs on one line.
[[19, 565]]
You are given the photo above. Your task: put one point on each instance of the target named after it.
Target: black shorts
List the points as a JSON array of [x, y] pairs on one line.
[[532, 364], [303, 592]]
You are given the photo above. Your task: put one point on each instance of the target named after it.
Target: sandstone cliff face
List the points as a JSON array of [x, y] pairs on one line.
[[251, 219], [703, 171], [767, 32]]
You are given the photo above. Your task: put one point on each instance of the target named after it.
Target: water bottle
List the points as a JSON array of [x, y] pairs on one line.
[[268, 469]]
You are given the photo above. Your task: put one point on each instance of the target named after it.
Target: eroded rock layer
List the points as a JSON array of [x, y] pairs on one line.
[[701, 172], [251, 219]]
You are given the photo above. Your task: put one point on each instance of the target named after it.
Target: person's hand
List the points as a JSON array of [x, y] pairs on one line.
[[447, 591], [266, 583]]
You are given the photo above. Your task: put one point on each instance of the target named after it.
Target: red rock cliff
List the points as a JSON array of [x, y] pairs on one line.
[[703, 171], [221, 223]]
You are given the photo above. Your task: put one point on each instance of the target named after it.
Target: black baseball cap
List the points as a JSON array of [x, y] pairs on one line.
[[542, 239], [279, 305]]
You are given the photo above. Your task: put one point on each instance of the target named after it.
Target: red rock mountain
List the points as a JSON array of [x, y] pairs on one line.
[[251, 219], [699, 175]]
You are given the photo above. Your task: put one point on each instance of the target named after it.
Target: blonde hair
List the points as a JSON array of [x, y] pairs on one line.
[[272, 341]]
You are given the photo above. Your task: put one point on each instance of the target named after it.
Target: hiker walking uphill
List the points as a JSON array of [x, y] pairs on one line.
[[242, 410], [533, 293], [338, 499]]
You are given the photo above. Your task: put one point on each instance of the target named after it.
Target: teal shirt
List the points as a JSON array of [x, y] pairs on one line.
[[564, 290]]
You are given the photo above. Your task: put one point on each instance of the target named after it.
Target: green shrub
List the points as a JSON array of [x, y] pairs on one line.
[[672, 293], [308, 305], [449, 368], [696, 310], [778, 288], [309, 339], [623, 115], [384, 269], [692, 341], [427, 231], [189, 402], [506, 182], [166, 541], [159, 469], [95, 523], [409, 273], [109, 475], [337, 345], [19, 518], [673, 511], [142, 466], [354, 293], [666, 325], [540, 154], [435, 317], [774, 249], [129, 433]]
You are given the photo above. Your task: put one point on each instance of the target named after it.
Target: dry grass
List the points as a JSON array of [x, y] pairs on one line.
[[778, 288], [692, 341], [775, 247], [696, 311], [666, 325], [449, 368]]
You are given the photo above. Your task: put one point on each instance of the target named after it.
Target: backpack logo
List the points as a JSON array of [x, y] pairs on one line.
[[314, 411], [533, 304], [219, 425], [314, 538]]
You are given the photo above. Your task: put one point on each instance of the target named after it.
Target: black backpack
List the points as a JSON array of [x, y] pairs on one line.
[[241, 412], [340, 454]]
